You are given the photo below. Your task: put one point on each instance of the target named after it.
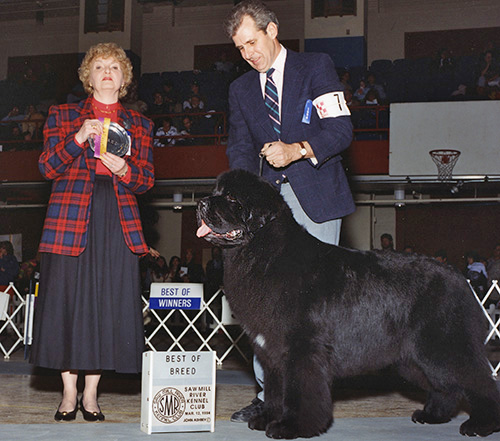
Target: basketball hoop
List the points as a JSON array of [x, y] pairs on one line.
[[445, 160]]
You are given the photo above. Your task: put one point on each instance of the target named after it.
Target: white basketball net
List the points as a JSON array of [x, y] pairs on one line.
[[445, 160]]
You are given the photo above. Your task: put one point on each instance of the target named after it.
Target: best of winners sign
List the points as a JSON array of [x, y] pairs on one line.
[[178, 392], [175, 295]]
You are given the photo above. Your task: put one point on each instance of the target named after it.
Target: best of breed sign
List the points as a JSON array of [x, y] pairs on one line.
[[178, 392]]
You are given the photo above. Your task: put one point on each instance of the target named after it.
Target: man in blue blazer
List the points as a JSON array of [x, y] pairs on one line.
[[298, 148]]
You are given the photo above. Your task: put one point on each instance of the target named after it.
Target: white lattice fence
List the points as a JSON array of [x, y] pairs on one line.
[[15, 329], [492, 313], [12, 327], [210, 328]]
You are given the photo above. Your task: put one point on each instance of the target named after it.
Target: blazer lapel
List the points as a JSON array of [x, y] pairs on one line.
[[255, 102], [85, 112], [292, 83], [124, 118]]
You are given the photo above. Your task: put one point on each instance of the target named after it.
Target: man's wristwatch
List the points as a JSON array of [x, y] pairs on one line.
[[303, 151]]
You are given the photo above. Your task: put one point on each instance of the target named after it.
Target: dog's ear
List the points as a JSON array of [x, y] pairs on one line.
[[262, 202]]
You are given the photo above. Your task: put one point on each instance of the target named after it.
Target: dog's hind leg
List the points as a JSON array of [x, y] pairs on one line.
[[484, 401], [448, 385], [442, 399], [439, 408]]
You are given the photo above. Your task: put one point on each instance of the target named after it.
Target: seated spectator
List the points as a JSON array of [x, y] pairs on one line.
[[352, 103], [372, 84], [441, 256], [191, 270], [345, 79], [493, 265], [15, 133], [28, 276], [171, 98], [9, 267], [33, 122], [476, 272], [214, 280], [29, 143], [12, 133], [187, 130], [360, 92], [444, 62], [372, 98], [195, 90], [386, 242], [174, 268], [215, 271], [29, 79], [167, 129], [202, 124], [159, 270], [132, 101], [487, 77], [157, 107], [14, 115], [224, 65], [493, 83], [195, 105], [348, 97], [485, 68]]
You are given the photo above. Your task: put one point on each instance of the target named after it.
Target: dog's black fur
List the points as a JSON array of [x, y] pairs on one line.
[[317, 312]]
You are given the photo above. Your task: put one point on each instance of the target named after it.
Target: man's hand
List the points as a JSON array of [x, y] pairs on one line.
[[280, 154]]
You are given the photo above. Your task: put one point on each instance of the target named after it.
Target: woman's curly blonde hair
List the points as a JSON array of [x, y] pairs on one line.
[[105, 50]]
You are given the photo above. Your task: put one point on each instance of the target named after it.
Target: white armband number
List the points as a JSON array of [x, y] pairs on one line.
[[331, 105]]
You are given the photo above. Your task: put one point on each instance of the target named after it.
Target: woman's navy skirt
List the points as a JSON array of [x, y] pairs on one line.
[[88, 313]]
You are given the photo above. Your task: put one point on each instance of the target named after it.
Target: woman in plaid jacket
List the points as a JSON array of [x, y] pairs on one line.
[[88, 314]]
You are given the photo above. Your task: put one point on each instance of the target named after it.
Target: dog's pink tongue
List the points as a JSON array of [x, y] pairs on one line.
[[203, 230]]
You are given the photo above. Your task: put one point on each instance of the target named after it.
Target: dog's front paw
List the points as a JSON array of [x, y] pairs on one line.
[[258, 422], [281, 430]]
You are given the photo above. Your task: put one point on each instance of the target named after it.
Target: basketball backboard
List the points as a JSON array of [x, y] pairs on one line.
[[472, 127]]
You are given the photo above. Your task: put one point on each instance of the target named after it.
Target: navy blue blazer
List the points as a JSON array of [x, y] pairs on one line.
[[321, 189]]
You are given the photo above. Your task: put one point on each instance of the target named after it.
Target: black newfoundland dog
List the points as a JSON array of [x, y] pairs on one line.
[[317, 312]]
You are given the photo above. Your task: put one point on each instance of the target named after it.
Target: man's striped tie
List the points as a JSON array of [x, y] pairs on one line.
[[272, 104]]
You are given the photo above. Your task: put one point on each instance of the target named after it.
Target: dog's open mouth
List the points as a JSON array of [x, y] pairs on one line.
[[204, 230]]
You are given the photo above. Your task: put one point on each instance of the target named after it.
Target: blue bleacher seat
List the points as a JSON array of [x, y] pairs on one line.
[[401, 65], [380, 66], [148, 84]]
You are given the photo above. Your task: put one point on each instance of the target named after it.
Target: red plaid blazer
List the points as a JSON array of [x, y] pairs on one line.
[[72, 169]]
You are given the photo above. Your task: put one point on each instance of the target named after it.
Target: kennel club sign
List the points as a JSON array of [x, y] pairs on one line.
[[175, 295], [178, 392]]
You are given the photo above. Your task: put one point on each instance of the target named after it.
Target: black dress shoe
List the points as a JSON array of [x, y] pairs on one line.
[[91, 416], [66, 416], [254, 409]]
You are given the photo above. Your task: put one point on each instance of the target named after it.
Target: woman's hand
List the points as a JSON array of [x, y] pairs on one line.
[[90, 127], [115, 164]]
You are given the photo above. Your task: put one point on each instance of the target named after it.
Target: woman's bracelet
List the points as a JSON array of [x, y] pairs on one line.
[[122, 174]]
